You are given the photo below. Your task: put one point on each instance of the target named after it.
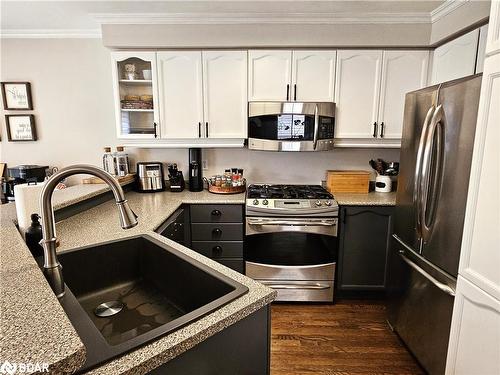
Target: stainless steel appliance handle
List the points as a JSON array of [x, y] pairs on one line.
[[425, 182], [445, 288], [281, 285], [418, 167], [316, 126], [325, 222]]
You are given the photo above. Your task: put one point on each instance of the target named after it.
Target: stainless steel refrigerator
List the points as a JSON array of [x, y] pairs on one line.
[[436, 153]]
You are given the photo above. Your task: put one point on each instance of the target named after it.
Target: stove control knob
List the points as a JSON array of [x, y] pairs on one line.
[[265, 202], [328, 203], [318, 203], [255, 202]]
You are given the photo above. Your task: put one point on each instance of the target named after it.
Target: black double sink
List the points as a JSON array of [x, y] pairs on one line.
[[152, 288]]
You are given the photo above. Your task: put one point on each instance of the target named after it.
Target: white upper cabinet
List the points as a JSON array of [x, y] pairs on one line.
[[313, 76], [136, 94], [493, 43], [225, 94], [481, 48], [402, 72], [357, 86], [269, 75], [455, 59], [181, 102]]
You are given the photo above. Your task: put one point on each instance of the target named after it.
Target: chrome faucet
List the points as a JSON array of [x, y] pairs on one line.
[[52, 267]]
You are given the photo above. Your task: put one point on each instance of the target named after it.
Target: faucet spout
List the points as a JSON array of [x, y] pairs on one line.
[[51, 265]]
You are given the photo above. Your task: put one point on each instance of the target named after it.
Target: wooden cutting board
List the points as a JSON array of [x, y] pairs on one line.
[[122, 179], [348, 181]]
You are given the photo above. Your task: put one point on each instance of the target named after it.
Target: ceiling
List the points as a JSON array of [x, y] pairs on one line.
[[84, 18]]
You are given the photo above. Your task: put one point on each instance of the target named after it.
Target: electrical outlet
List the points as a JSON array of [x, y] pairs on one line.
[[204, 164]]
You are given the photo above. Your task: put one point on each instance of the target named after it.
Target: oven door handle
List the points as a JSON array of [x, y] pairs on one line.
[[325, 222], [281, 285]]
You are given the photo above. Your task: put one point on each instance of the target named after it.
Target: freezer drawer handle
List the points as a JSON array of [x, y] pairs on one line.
[[275, 285], [445, 288]]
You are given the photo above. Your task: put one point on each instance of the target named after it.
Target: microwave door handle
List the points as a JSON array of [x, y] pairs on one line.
[[316, 126]]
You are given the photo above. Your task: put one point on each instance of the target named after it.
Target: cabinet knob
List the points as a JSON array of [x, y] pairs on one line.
[[217, 249], [199, 130], [216, 232], [375, 129], [206, 129], [287, 92], [382, 130], [155, 126], [216, 213]]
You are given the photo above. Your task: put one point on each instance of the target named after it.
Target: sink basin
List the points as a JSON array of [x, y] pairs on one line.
[[148, 290]]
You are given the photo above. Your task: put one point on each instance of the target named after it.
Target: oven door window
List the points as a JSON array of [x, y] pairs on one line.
[[283, 127], [290, 249]]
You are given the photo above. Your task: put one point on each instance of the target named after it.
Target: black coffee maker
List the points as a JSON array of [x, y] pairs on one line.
[[195, 174]]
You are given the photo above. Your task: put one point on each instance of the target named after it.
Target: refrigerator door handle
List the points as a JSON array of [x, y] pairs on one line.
[[418, 168], [429, 176], [443, 287]]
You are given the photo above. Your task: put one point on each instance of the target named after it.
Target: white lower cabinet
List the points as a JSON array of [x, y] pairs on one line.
[[180, 86], [474, 347], [225, 94]]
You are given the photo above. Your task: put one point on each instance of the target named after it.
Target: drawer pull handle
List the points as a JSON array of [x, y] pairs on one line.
[[216, 213], [216, 232], [217, 249]]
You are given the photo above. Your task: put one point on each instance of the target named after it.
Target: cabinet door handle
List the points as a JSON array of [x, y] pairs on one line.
[[382, 129], [155, 126], [206, 129], [295, 92], [217, 250], [216, 213], [199, 130], [216, 232], [288, 92], [375, 129]]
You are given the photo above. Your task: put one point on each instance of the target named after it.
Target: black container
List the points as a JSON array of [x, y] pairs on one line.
[[34, 236], [195, 173]]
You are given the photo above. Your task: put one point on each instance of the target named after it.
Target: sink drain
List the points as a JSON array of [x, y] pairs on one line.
[[107, 309]]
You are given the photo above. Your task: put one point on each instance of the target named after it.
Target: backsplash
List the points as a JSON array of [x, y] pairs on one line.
[[272, 167]]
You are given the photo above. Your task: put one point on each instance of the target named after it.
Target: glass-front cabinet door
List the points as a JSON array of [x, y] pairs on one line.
[[136, 94]]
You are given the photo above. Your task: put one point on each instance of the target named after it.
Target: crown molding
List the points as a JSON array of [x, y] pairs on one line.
[[446, 8], [260, 18], [50, 33]]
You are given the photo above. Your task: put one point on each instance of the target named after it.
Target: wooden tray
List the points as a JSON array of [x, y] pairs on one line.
[[122, 179], [227, 190]]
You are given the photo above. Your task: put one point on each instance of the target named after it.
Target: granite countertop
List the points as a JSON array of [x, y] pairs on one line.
[[366, 199], [34, 325]]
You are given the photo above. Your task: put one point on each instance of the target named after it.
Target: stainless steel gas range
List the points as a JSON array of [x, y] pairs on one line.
[[291, 240]]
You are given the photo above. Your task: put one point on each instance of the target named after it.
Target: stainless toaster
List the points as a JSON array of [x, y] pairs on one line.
[[150, 177]]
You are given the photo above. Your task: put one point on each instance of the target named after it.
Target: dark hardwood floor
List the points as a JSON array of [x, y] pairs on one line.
[[349, 337]]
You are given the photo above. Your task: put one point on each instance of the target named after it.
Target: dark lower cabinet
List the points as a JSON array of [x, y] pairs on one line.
[[243, 349], [217, 232], [363, 247]]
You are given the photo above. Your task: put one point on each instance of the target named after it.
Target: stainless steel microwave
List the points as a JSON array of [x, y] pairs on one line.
[[291, 126]]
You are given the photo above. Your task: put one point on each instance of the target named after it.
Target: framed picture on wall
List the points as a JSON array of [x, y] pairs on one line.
[[20, 128], [16, 96]]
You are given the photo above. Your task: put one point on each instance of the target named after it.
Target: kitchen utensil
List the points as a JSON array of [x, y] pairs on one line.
[[176, 179], [383, 184]]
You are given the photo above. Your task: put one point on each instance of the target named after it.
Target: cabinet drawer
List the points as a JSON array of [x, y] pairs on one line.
[[216, 213], [217, 232], [219, 249], [235, 264]]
